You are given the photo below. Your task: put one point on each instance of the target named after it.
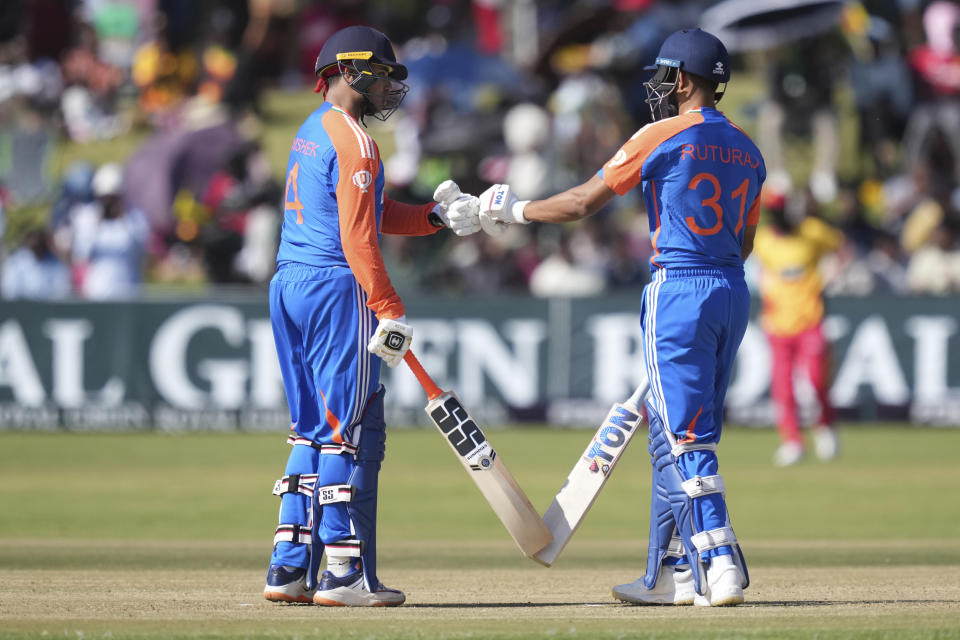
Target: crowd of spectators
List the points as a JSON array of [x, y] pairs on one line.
[[537, 93]]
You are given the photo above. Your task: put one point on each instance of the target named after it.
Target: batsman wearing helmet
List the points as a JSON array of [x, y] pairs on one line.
[[701, 178], [335, 318]]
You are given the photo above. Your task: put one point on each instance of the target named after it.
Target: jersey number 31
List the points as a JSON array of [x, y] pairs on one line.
[[713, 203]]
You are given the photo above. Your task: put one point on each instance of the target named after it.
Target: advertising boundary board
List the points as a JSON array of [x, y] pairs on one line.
[[210, 364]]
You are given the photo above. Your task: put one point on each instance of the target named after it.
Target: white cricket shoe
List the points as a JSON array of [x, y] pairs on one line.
[[349, 591], [724, 586], [788, 454], [287, 584], [673, 586], [825, 443]]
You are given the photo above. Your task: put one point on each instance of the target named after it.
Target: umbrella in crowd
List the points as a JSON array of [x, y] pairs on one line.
[[748, 25]]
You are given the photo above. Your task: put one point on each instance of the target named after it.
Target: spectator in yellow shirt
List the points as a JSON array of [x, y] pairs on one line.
[[792, 293]]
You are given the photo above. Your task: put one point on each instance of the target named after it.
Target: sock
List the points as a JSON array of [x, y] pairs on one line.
[[339, 565]]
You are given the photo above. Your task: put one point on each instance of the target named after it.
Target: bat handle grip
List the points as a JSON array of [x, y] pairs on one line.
[[431, 388]]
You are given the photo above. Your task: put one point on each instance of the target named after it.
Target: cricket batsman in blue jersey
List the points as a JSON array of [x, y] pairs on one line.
[[701, 178], [335, 318]]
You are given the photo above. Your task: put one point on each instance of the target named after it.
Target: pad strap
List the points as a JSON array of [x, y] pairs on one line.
[[302, 483], [684, 447], [352, 548], [713, 539], [295, 533], [675, 548], [332, 449], [703, 485], [335, 493]]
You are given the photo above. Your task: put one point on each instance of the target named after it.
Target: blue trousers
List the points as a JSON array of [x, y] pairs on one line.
[[693, 322], [321, 327]]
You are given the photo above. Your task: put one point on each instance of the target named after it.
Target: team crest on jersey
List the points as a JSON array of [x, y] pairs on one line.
[[619, 158], [363, 179]]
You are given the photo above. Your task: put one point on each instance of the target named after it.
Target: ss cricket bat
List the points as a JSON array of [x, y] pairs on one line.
[[590, 473], [482, 463]]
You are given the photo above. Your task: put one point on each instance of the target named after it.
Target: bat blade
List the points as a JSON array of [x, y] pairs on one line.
[[489, 473], [586, 479]]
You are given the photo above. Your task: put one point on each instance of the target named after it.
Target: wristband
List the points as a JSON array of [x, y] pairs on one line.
[[435, 219], [517, 211]]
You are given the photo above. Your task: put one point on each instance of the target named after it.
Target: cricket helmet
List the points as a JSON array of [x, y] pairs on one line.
[[358, 43], [691, 51], [355, 50]]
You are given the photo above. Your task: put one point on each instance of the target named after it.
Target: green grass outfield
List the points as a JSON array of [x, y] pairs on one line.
[[154, 536]]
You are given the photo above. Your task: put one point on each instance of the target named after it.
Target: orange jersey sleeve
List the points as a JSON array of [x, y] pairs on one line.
[[624, 170], [358, 163], [401, 219]]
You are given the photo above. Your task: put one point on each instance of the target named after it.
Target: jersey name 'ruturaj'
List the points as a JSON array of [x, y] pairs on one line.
[[716, 153]]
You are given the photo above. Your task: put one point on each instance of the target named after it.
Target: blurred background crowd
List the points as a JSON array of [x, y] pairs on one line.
[[143, 142]]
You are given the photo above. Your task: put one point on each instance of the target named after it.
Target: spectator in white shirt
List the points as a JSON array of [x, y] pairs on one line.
[[108, 240], [34, 272]]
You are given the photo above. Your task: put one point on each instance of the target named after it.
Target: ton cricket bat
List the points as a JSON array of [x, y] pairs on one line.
[[590, 473], [482, 463]]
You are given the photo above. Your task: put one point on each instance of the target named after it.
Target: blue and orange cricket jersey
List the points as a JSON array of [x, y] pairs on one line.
[[701, 180], [335, 209], [331, 284]]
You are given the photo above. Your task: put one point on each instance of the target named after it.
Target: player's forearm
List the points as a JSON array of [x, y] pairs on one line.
[[564, 207], [573, 204], [401, 219]]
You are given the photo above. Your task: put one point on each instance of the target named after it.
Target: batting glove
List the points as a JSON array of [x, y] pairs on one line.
[[391, 340], [462, 215], [458, 211], [499, 207]]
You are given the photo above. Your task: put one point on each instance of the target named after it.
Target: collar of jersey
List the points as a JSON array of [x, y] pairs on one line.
[[340, 110]]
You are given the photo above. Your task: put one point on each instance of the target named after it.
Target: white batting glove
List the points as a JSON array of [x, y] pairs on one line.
[[462, 215], [458, 211], [499, 207], [391, 340]]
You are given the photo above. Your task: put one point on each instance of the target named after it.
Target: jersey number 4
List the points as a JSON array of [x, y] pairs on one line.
[[295, 204], [713, 202]]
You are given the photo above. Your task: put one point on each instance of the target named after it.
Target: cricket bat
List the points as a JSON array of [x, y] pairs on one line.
[[482, 463], [590, 473]]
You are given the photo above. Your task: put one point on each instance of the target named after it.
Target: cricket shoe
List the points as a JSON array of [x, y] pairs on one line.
[[673, 586], [287, 584], [349, 591], [788, 454], [724, 586], [825, 443]]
